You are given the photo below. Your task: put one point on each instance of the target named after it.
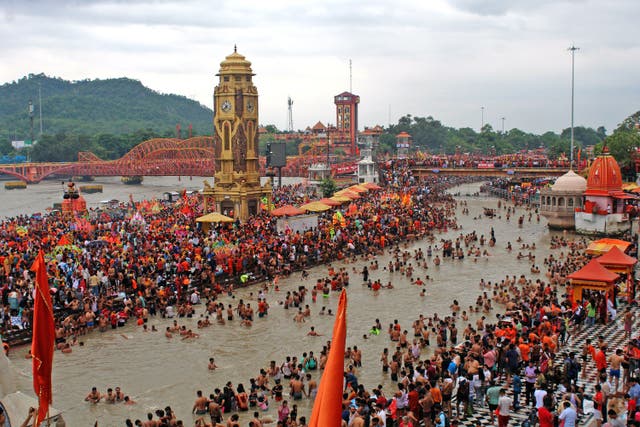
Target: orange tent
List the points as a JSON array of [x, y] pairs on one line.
[[602, 246], [592, 276], [287, 210], [371, 186], [330, 202], [618, 262]]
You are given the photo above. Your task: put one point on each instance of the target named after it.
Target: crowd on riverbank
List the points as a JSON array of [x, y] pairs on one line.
[[165, 265]]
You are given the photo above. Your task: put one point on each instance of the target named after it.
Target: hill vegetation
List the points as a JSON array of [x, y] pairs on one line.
[[89, 108], [109, 117]]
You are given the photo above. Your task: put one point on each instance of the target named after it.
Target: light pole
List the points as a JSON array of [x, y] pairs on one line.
[[502, 118], [482, 120], [572, 49]]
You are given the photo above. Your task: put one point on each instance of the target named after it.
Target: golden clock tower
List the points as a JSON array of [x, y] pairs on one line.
[[237, 191]]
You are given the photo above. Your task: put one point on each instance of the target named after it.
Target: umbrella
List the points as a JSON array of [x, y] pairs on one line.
[[350, 194], [358, 188], [214, 217], [315, 207], [287, 210], [339, 199], [371, 186], [330, 202]]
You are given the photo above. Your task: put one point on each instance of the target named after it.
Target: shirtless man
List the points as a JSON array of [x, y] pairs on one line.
[[168, 333], [200, 405], [615, 361], [110, 397], [296, 388], [312, 387], [94, 396], [299, 317], [212, 364], [313, 333]]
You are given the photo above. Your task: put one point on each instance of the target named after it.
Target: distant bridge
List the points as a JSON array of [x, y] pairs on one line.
[[155, 157], [195, 157], [517, 172]]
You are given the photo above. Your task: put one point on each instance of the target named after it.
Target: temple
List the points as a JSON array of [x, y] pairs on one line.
[[605, 209]]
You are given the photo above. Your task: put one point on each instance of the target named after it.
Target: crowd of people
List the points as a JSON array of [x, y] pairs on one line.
[[115, 271]]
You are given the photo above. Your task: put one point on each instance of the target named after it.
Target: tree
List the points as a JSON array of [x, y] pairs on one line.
[[328, 187], [622, 145]]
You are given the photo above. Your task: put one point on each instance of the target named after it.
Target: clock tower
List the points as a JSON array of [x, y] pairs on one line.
[[237, 191]]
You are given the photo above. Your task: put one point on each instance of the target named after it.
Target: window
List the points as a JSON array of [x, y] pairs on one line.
[[248, 78], [226, 78], [570, 202]]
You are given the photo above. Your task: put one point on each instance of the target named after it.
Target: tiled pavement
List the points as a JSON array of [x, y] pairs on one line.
[[614, 335]]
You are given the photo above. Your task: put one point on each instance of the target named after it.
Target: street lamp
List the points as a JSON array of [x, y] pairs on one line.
[[572, 49], [482, 120]]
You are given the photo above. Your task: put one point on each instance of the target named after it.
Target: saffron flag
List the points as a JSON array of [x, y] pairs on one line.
[[327, 409], [43, 341]]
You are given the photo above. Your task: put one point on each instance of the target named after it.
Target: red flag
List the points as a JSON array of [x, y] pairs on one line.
[[64, 240], [327, 409], [43, 341]]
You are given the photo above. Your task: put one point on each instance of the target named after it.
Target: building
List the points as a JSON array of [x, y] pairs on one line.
[[605, 210], [237, 191], [403, 144], [347, 120], [370, 137], [558, 203]]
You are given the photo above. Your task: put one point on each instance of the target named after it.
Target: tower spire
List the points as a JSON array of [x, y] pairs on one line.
[[235, 48]]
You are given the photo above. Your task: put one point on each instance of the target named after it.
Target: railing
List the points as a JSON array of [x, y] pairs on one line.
[[523, 199]]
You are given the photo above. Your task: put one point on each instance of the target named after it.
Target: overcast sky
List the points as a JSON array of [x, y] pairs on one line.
[[444, 58]]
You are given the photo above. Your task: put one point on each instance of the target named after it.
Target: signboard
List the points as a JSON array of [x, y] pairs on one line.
[[278, 154], [486, 165], [298, 223], [344, 169]]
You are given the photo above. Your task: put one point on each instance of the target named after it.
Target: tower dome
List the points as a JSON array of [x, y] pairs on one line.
[[604, 176], [235, 64], [570, 181]]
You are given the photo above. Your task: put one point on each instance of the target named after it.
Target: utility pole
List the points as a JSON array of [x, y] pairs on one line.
[[31, 118], [502, 118], [40, 105], [350, 78], [572, 49], [482, 120], [290, 104]]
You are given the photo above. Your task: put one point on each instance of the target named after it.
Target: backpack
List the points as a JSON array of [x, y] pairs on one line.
[[463, 389], [447, 423]]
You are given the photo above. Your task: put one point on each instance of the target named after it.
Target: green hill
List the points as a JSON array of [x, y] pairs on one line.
[[91, 107]]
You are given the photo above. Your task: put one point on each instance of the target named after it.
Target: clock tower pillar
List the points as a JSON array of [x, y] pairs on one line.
[[237, 191]]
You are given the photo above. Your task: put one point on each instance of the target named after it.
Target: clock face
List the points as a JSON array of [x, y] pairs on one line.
[[250, 106], [226, 106]]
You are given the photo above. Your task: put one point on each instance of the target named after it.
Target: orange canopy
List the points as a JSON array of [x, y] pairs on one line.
[[594, 272], [616, 257], [287, 210], [371, 186], [602, 246], [330, 202]]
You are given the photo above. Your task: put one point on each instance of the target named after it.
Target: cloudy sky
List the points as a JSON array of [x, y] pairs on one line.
[[444, 58]]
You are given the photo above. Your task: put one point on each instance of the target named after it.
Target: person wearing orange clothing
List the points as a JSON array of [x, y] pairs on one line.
[[525, 349], [601, 359]]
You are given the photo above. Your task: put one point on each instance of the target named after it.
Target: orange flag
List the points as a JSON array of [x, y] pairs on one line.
[[43, 341], [327, 409]]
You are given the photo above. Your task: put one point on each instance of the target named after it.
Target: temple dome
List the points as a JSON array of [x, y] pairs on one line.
[[604, 176], [570, 182]]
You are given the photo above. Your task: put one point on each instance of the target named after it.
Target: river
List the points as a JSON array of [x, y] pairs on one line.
[[156, 371]]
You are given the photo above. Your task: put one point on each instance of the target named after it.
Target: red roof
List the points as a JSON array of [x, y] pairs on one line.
[[594, 272], [604, 176], [403, 135], [319, 126], [616, 257]]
